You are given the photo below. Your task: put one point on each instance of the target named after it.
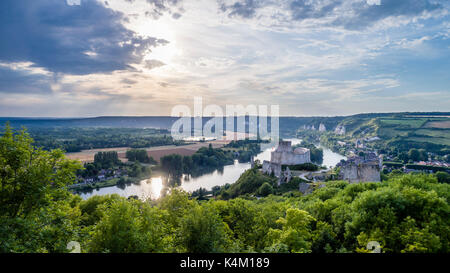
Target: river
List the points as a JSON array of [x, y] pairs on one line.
[[151, 188]]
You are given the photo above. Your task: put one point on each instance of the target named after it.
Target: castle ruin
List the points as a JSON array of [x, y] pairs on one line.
[[359, 169], [285, 155]]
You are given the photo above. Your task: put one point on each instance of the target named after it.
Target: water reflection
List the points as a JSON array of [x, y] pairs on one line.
[[153, 188], [330, 158], [229, 174], [145, 189], [157, 186]]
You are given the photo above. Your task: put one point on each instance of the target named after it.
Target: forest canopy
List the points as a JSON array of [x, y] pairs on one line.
[[406, 213]]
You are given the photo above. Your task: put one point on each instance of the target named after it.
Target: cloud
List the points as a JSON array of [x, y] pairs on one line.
[[159, 7], [21, 79], [80, 39], [365, 14], [128, 81], [244, 9], [302, 9], [150, 64], [348, 14]]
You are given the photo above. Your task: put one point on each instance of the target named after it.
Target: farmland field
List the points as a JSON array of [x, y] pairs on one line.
[[438, 124], [434, 140], [434, 133], [409, 122], [155, 152]]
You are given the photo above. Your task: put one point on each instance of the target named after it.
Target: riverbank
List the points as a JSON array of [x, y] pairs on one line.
[[87, 156], [229, 174], [114, 182]]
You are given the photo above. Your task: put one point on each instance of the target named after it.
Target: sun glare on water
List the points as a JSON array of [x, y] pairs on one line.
[[156, 187]]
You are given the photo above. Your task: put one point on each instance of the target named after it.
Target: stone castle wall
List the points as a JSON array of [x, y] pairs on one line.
[[361, 173], [284, 155], [271, 168], [290, 158]]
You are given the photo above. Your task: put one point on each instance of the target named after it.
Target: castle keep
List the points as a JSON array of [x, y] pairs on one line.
[[361, 169], [285, 155]]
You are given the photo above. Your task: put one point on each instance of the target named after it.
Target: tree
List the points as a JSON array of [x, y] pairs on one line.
[[202, 231], [443, 177], [172, 165], [139, 155], [265, 189], [414, 154], [106, 160], [295, 232], [29, 177], [35, 208], [130, 226]]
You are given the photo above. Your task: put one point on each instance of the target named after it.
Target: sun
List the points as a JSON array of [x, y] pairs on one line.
[[163, 28], [165, 54]]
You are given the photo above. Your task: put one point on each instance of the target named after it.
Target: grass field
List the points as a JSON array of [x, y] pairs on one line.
[[416, 127], [434, 133], [435, 140], [391, 132], [404, 122]]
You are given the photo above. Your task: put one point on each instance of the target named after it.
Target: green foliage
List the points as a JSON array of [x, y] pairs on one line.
[[426, 167], [295, 233], [443, 177], [248, 183], [106, 160], [130, 226], [140, 155], [77, 139], [203, 231], [405, 213], [246, 148], [172, 164], [30, 178], [204, 160], [265, 189], [137, 170], [35, 215], [302, 167]]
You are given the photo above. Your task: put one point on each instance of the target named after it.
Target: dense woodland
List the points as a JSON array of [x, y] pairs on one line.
[[405, 213], [78, 139], [109, 161], [206, 159]]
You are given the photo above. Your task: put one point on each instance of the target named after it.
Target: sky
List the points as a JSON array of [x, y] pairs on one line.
[[84, 58]]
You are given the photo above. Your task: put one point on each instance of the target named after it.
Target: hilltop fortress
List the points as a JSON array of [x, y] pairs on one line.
[[285, 155], [361, 169]]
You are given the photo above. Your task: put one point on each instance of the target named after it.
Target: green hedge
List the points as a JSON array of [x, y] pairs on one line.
[[301, 167]]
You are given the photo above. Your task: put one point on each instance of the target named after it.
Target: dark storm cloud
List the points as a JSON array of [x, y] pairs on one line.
[[349, 14], [80, 39], [19, 81]]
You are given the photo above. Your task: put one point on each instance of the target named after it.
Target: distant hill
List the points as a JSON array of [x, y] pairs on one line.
[[288, 125]]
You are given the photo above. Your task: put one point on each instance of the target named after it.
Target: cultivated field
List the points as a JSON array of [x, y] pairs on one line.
[[438, 124], [155, 152]]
